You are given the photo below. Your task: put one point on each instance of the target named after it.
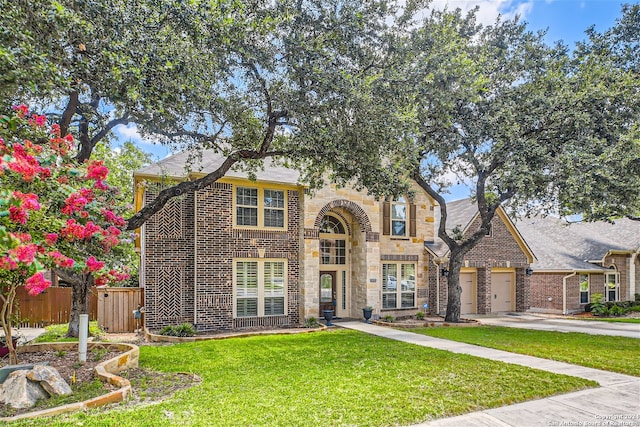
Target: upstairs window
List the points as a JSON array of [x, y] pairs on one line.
[[333, 243], [258, 207], [399, 218]]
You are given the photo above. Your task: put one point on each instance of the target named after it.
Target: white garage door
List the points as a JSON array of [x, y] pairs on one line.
[[502, 292], [468, 296]]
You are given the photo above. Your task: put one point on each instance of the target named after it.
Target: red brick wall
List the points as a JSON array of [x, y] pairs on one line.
[[168, 262], [498, 250], [169, 297], [218, 244]]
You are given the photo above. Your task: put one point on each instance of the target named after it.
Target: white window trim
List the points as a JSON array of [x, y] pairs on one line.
[[606, 286], [588, 288], [405, 203], [399, 291], [261, 208], [261, 294]]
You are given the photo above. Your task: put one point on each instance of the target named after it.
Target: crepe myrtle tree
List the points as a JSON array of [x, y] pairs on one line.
[[54, 215], [504, 112]]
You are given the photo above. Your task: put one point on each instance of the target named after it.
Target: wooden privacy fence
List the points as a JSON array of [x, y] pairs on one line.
[[116, 306], [50, 307]]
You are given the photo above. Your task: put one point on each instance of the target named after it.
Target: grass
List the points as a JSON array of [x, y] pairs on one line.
[[617, 354], [81, 392], [329, 378], [611, 319], [57, 333]]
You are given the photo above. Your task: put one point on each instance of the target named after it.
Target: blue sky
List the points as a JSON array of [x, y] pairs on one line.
[[563, 19]]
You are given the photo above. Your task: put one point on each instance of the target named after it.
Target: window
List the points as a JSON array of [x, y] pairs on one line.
[[332, 250], [611, 286], [257, 207], [584, 288], [399, 217], [260, 288], [402, 295]]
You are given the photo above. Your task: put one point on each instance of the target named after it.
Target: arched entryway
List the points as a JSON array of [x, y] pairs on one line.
[[335, 249]]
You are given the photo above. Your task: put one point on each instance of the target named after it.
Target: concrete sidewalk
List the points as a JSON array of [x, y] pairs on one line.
[[541, 323], [615, 403]]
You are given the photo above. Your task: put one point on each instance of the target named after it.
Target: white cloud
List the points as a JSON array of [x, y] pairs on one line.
[[128, 132], [488, 9]]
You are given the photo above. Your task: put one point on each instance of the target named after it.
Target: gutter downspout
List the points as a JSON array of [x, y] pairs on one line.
[[632, 275], [195, 259], [564, 292]]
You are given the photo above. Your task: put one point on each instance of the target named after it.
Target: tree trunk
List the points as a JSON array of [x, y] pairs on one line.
[[79, 303], [6, 319], [453, 286]]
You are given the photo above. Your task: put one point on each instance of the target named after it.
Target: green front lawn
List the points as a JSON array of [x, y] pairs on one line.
[[617, 354], [332, 378], [57, 333], [611, 319]]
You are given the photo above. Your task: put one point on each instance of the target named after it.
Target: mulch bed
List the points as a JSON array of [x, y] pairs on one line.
[[155, 385]]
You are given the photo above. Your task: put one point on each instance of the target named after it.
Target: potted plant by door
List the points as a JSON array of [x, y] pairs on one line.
[[366, 312]]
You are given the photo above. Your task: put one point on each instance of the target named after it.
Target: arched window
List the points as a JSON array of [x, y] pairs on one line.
[[333, 249], [331, 225]]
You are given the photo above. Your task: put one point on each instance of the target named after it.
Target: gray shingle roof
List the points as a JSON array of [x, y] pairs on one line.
[[175, 166], [459, 213], [568, 247]]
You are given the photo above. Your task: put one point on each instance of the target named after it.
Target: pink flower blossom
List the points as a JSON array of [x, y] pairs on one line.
[[22, 110], [29, 200], [97, 171], [18, 215], [101, 185], [114, 219], [21, 237], [73, 203], [72, 230], [94, 265], [37, 121], [51, 238], [90, 229], [61, 260], [36, 284], [8, 263], [25, 254]]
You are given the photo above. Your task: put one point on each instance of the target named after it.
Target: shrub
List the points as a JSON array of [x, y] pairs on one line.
[[420, 315], [311, 322], [634, 308], [616, 310], [598, 306], [637, 297], [184, 330], [388, 318]]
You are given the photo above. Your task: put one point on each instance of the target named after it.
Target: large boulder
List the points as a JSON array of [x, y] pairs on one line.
[[50, 380], [19, 392]]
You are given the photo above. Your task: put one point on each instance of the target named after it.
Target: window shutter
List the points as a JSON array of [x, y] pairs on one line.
[[386, 218], [412, 220]]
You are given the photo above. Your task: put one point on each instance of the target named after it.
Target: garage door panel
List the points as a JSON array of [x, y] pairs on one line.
[[468, 295], [502, 291]]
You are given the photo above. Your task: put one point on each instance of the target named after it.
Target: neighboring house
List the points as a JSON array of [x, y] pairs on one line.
[[268, 253], [576, 261], [494, 275]]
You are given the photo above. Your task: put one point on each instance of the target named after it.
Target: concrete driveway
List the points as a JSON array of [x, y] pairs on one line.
[[529, 321]]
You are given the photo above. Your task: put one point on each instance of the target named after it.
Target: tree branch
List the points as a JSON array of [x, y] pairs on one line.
[[70, 110]]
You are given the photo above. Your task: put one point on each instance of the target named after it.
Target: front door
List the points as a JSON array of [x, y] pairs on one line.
[[327, 290]]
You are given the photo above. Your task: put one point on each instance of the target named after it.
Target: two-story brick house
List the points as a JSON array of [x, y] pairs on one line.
[[266, 253]]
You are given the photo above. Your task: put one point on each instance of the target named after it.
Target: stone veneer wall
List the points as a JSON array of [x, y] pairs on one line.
[[168, 262], [369, 247], [218, 244]]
